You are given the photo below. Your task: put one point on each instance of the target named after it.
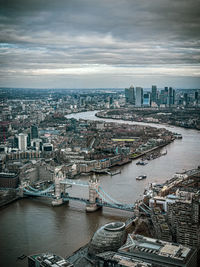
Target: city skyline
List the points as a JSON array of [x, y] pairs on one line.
[[92, 44]]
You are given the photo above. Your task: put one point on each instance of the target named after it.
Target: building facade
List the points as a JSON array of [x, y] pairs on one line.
[[130, 95], [139, 97], [22, 141]]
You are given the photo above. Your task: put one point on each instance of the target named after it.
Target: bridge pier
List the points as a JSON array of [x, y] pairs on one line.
[[93, 195], [59, 188], [20, 192], [57, 202]]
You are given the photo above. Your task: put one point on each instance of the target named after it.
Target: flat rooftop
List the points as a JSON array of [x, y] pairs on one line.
[[138, 244], [49, 259]]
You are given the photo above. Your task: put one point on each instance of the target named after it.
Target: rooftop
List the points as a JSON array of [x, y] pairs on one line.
[[114, 226], [49, 259], [122, 260], [145, 245]]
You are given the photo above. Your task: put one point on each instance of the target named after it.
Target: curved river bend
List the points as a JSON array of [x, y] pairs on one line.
[[30, 226]]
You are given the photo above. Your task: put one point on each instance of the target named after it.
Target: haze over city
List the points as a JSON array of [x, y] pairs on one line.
[[88, 44]]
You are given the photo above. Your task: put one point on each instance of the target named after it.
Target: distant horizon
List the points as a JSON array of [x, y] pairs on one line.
[[96, 88], [99, 44]]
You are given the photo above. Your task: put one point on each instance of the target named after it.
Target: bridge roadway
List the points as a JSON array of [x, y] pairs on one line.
[[86, 201], [46, 193], [102, 198], [101, 203]]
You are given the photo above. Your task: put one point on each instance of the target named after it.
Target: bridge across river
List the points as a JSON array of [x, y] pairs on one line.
[[98, 198]]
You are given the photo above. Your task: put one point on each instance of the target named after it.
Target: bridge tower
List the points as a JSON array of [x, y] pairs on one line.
[[20, 191], [93, 194], [59, 188]]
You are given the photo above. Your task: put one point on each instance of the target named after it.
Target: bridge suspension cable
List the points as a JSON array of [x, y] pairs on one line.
[[113, 200], [39, 192], [113, 203], [105, 201]]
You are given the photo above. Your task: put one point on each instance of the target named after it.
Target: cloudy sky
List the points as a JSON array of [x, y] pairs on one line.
[[99, 43]]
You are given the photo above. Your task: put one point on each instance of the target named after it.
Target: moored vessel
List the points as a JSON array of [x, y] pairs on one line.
[[141, 177]]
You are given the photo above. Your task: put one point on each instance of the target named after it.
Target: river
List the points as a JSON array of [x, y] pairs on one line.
[[31, 226]]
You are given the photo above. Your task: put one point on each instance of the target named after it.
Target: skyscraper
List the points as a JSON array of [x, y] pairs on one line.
[[22, 141], [130, 95], [174, 93], [154, 93], [34, 131], [170, 96], [164, 96], [127, 95], [185, 102], [147, 99], [139, 97]]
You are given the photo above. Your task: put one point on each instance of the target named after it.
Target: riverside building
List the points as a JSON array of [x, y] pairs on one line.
[[158, 252]]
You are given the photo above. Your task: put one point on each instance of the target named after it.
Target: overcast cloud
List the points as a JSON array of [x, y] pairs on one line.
[[92, 43]]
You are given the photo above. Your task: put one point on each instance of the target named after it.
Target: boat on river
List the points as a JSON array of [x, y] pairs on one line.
[[141, 177], [178, 136], [141, 162]]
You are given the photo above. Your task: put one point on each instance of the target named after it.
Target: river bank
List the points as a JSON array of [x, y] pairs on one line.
[[148, 151], [10, 201], [7, 197], [159, 117]]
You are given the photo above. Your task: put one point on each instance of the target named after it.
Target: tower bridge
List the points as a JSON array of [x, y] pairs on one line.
[[98, 198]]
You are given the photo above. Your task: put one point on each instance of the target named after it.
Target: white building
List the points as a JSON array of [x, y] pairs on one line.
[[22, 141]]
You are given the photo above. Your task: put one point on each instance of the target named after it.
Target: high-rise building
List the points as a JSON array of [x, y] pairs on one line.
[[127, 94], [166, 96], [139, 97], [184, 218], [34, 131], [185, 101], [130, 95], [22, 141], [164, 100], [174, 93], [170, 97], [154, 93], [147, 99]]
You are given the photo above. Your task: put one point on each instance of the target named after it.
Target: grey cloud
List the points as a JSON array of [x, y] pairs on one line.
[[55, 34], [130, 19]]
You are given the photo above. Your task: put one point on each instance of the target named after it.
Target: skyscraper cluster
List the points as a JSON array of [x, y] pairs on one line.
[[137, 97]]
